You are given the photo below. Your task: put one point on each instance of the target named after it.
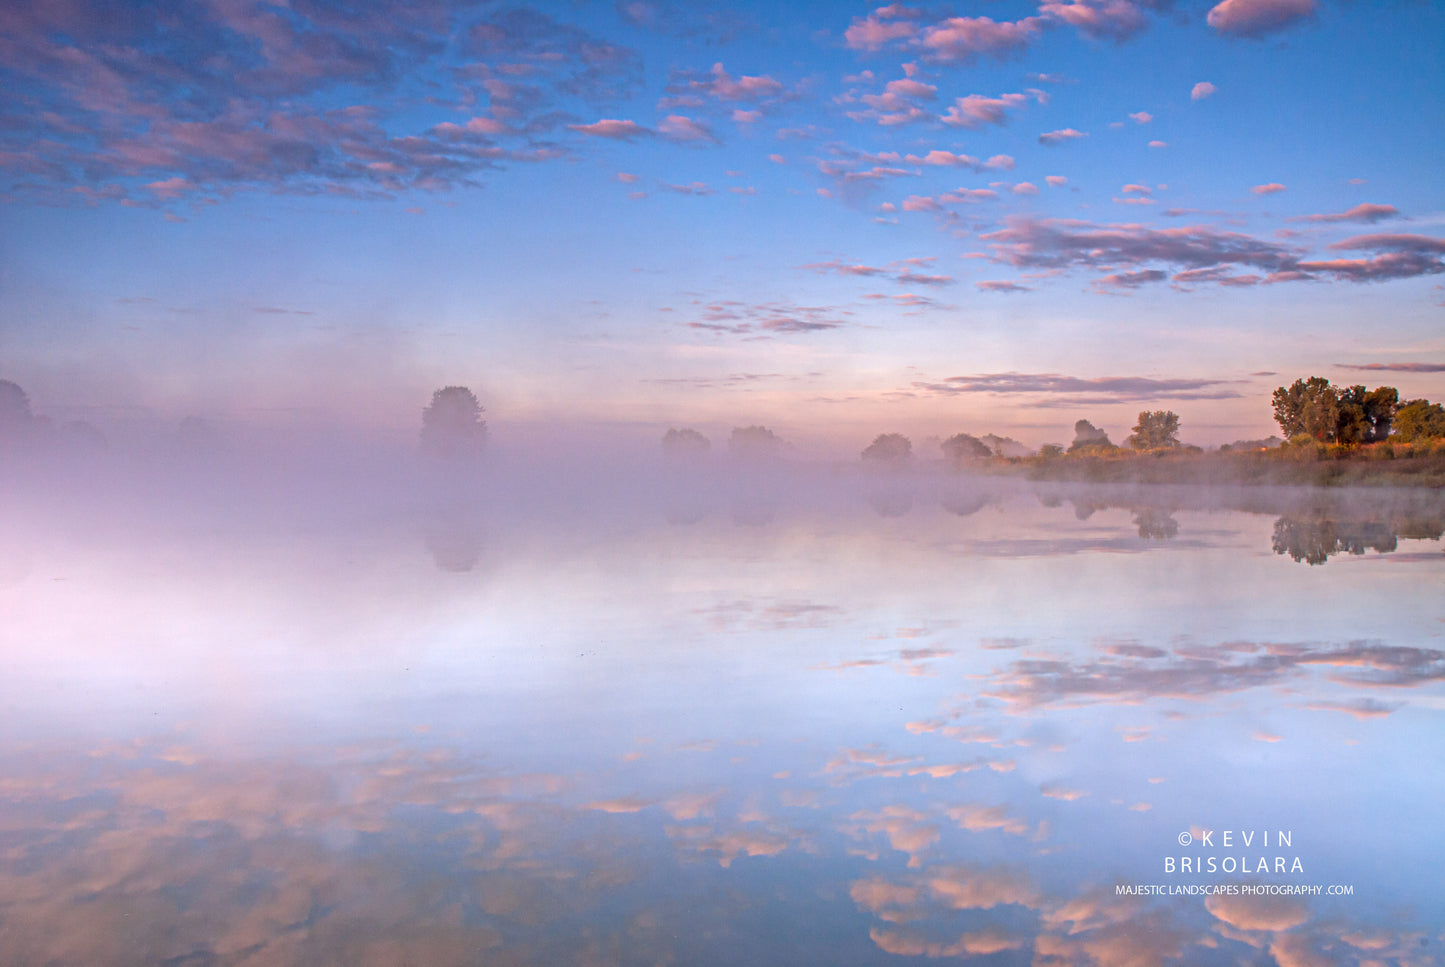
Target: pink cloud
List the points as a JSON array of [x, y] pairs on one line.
[[1255, 18], [959, 40], [1202, 90], [880, 28], [1158, 144], [907, 87], [1137, 190], [1025, 188], [676, 127], [1360, 213], [171, 188], [920, 203], [999, 162], [1141, 117], [968, 196], [1273, 188], [1001, 286], [975, 110], [1061, 136], [618, 130], [1116, 20], [1056, 181]]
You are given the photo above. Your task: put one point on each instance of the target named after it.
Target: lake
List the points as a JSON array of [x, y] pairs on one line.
[[798, 719]]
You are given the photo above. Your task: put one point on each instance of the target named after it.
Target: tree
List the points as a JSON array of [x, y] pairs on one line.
[[961, 448], [893, 449], [1088, 438], [1156, 430], [452, 424], [1419, 420], [755, 443], [1330, 414], [1309, 407], [677, 443], [1365, 417], [15, 416]]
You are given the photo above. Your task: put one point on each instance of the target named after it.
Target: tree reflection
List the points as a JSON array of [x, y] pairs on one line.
[[1155, 524], [1314, 540]]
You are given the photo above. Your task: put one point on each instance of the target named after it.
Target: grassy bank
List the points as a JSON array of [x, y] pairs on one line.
[[1308, 464]]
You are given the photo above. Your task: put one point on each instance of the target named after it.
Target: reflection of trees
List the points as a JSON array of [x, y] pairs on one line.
[[964, 505], [890, 503], [754, 511], [1314, 540], [455, 542], [1155, 524]]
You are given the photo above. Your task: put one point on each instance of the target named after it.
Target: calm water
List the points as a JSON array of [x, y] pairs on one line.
[[864, 722]]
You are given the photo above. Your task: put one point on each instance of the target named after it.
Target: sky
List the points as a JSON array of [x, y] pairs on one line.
[[833, 219]]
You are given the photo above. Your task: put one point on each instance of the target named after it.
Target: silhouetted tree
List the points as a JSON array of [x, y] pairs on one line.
[[684, 442], [1003, 446], [16, 419], [755, 443], [452, 424], [962, 448], [1156, 430], [1049, 451], [1365, 417], [892, 449], [1313, 408], [1088, 438], [1419, 420]]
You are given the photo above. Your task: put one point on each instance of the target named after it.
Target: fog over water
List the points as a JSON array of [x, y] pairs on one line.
[[338, 703]]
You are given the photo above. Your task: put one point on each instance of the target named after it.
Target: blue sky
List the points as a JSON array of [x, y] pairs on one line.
[[835, 219]]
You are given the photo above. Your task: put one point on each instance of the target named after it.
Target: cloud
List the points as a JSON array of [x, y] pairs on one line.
[[1402, 257], [914, 278], [1202, 90], [243, 96], [722, 86], [1257, 912], [1056, 181], [1120, 388], [1061, 136], [1141, 117], [1001, 286], [1058, 243], [1158, 144], [1255, 18], [961, 40], [1115, 20], [1360, 213], [764, 319], [881, 28], [1131, 280], [999, 162], [1025, 188], [677, 127], [975, 110], [1368, 708], [1273, 188], [617, 130], [1395, 367]]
